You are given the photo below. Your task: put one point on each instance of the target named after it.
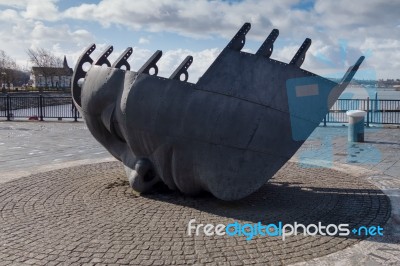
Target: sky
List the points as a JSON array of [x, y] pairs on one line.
[[340, 30]]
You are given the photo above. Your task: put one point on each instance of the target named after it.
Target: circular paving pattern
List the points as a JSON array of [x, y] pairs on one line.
[[88, 214]]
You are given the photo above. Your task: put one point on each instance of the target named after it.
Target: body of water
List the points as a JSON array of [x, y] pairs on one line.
[[363, 93]]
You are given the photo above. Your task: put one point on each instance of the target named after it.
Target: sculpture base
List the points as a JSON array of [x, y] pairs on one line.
[[90, 213]]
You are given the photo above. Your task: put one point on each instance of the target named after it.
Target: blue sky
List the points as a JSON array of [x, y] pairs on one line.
[[341, 31]]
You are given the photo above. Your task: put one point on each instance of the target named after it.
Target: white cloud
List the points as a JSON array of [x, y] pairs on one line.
[[14, 3], [384, 56], [18, 34], [190, 18], [201, 61], [42, 9], [371, 28], [44, 36], [354, 21], [143, 40], [8, 15]]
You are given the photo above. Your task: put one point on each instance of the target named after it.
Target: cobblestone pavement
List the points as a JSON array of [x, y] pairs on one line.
[[377, 160], [87, 214]]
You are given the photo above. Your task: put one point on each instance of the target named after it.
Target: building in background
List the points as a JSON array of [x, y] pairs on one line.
[[52, 77]]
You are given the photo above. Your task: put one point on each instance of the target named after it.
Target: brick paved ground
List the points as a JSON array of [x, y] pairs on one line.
[[87, 214]]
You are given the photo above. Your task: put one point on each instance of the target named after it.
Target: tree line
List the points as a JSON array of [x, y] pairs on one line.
[[11, 73]]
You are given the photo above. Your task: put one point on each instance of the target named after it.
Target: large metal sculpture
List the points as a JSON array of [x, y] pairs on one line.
[[227, 134]]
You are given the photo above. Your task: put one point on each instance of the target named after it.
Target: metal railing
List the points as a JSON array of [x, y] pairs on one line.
[[41, 107], [378, 111], [37, 107]]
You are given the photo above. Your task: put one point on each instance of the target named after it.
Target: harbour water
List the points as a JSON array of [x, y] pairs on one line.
[[361, 92]]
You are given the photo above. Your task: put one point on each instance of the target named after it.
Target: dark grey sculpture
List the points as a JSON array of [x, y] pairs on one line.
[[227, 134]]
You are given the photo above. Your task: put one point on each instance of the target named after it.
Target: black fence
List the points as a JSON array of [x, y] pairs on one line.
[[378, 111], [38, 107]]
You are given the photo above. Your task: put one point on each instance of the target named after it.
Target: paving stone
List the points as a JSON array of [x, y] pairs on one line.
[[87, 214], [90, 207]]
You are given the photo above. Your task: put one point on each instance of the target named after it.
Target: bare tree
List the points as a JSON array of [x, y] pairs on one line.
[[48, 65], [8, 69]]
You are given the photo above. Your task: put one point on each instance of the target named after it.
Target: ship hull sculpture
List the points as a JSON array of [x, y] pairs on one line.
[[227, 134]]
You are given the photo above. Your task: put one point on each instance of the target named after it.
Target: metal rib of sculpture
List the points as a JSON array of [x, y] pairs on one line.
[[227, 134]]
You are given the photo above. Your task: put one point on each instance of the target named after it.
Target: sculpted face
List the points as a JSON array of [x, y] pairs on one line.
[[227, 134]]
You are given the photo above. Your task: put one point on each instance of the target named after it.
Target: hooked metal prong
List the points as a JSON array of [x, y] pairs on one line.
[[182, 69], [86, 54], [79, 73], [268, 45], [239, 39], [123, 59], [341, 86], [351, 71], [151, 63], [103, 57], [299, 57]]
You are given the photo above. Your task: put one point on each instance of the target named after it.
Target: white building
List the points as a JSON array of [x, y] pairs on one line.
[[52, 77]]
